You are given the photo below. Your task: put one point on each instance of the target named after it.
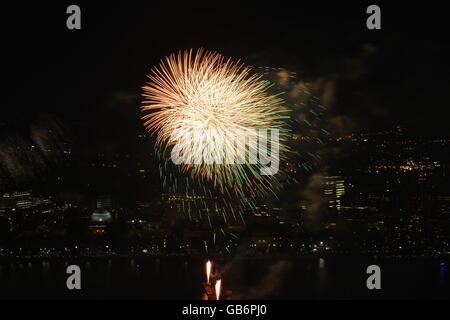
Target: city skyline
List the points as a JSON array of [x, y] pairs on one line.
[[363, 175]]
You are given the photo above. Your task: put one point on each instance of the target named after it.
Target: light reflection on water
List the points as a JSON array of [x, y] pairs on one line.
[[442, 272]]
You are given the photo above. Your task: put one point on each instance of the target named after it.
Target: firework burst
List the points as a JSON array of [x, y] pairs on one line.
[[194, 101]]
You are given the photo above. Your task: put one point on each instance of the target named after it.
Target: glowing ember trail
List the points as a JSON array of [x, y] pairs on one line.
[[208, 270], [218, 285]]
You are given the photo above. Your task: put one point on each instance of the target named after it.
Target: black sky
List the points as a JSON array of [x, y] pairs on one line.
[[91, 78]]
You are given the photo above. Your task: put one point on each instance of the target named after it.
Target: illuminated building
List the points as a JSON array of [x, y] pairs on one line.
[[104, 202], [17, 200], [444, 204], [99, 220], [334, 189], [101, 216]]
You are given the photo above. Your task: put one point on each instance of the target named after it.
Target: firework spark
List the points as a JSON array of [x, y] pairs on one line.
[[208, 270], [218, 287]]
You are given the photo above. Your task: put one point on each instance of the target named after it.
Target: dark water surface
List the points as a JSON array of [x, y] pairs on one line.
[[182, 278]]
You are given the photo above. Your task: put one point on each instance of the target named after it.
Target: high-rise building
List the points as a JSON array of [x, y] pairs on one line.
[[104, 202], [334, 189]]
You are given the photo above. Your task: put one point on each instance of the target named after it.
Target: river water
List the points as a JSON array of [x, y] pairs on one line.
[[183, 278]]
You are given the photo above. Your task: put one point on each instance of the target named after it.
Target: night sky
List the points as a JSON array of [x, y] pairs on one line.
[[91, 79]]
